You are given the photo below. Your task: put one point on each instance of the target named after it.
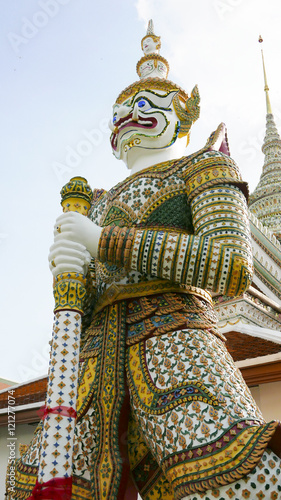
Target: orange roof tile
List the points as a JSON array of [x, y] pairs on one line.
[[242, 346], [29, 392]]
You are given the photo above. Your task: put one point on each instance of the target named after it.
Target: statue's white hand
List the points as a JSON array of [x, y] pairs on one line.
[[75, 227], [68, 256]]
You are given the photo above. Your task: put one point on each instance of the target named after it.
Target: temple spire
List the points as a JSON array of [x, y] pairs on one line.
[[266, 88], [265, 201]]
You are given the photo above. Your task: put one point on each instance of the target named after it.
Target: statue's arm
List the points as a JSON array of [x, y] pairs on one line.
[[216, 257]]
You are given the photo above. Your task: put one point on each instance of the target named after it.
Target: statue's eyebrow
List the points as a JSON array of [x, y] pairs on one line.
[[117, 105], [131, 100], [137, 97]]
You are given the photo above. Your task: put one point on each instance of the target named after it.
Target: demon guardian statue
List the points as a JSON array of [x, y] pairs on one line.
[[161, 407]]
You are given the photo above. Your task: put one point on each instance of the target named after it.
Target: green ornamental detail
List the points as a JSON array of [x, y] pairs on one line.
[[118, 217], [77, 186], [76, 196], [174, 212]]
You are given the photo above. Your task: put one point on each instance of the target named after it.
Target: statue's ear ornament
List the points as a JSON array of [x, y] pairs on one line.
[[189, 113]]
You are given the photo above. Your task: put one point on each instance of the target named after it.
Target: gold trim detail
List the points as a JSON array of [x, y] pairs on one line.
[[152, 57], [76, 196], [150, 83], [121, 292], [69, 292]]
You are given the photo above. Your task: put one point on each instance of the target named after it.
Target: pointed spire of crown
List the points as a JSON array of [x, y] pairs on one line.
[[153, 70], [150, 28], [150, 43], [152, 64]]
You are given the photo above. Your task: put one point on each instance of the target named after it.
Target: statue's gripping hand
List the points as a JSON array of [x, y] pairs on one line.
[[76, 240]]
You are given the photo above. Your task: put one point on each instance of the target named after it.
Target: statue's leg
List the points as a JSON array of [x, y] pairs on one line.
[[109, 468], [148, 477], [195, 411], [263, 482]]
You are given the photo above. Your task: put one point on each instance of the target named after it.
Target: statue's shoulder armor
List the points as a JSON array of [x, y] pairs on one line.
[[97, 195], [211, 166], [97, 204]]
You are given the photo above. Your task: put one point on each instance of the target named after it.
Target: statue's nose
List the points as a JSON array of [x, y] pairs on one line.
[[121, 112]]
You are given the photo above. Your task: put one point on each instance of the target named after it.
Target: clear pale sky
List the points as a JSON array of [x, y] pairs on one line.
[[63, 62]]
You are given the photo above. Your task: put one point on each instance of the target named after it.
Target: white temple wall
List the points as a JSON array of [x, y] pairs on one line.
[[268, 399]]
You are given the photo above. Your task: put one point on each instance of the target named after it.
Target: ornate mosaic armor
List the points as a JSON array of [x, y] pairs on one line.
[[155, 373]]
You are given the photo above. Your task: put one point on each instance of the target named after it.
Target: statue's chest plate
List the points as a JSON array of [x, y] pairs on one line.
[[149, 200]]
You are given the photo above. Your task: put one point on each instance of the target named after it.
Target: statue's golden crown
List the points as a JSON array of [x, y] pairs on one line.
[[153, 70]]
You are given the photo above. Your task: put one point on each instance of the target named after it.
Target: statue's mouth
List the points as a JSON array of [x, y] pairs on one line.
[[129, 122]]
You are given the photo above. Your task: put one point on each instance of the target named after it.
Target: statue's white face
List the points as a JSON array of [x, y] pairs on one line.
[[149, 46], [146, 121]]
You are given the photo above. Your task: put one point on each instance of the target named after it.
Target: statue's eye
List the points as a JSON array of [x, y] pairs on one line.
[[141, 103], [114, 118]]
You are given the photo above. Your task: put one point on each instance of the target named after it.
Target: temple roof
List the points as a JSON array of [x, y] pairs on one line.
[[242, 346], [33, 391], [5, 383]]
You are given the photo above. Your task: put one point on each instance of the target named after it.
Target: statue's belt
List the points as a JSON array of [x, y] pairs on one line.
[[120, 292]]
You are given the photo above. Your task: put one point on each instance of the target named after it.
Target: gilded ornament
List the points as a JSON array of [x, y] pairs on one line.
[[131, 144], [76, 196]]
